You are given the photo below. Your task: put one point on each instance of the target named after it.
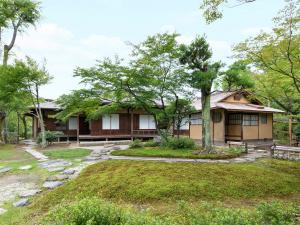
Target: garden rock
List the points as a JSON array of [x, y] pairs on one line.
[[56, 169], [22, 202], [58, 177], [52, 184], [92, 158], [29, 193], [27, 167], [2, 211], [4, 169], [108, 145], [55, 163], [68, 171]]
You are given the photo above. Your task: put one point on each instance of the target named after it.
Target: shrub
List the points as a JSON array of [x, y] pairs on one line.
[[236, 150], [151, 143], [180, 143], [51, 136], [92, 211], [136, 144]]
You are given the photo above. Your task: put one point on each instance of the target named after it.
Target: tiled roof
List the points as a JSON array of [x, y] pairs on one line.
[[216, 103], [49, 105]]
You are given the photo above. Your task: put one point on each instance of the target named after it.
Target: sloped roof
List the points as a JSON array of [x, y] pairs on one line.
[[49, 105], [216, 102]]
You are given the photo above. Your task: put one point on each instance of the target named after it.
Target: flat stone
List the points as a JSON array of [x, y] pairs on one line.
[[68, 171], [2, 211], [5, 169], [27, 167], [116, 148], [91, 158], [55, 163], [58, 177], [22, 202], [29, 193], [52, 184], [108, 145], [56, 169]]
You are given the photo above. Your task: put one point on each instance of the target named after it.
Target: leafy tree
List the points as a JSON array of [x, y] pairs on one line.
[[197, 57], [152, 78], [275, 57], [211, 8], [16, 15], [237, 77], [21, 82]]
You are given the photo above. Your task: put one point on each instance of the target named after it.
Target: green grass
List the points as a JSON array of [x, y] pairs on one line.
[[172, 153], [67, 153], [12, 152]]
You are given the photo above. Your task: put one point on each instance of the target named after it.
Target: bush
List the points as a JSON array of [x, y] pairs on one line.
[[51, 136], [151, 143], [92, 211], [136, 144], [236, 150], [180, 143]]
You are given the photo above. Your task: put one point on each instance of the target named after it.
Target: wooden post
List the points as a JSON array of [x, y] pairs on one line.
[[290, 132], [131, 123], [78, 129], [246, 147]]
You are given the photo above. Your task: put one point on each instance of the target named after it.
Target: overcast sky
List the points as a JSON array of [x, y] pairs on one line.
[[76, 33]]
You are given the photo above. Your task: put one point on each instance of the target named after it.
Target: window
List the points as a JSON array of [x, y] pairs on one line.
[[110, 122], [196, 119], [235, 119], [264, 118], [217, 117], [250, 120], [147, 122], [61, 126], [73, 123], [185, 124]]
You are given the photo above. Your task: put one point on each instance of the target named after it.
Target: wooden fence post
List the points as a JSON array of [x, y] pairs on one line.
[[246, 147]]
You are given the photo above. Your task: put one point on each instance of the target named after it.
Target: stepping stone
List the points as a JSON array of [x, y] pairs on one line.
[[55, 163], [4, 169], [29, 193], [68, 171], [56, 169], [27, 167], [58, 177], [116, 148], [91, 158], [2, 211], [22, 202], [52, 184], [108, 145]]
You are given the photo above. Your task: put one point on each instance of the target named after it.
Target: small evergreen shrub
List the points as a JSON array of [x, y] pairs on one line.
[[236, 150], [151, 143], [180, 143], [136, 144], [51, 136]]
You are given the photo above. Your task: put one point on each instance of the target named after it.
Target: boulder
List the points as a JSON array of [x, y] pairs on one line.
[[52, 184], [58, 177], [27, 167], [4, 169], [29, 193], [22, 202]]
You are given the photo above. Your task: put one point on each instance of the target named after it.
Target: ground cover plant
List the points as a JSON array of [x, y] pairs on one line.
[[67, 153], [159, 186]]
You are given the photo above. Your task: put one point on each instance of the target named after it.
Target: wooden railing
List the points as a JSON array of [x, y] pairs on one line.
[[144, 132], [285, 152]]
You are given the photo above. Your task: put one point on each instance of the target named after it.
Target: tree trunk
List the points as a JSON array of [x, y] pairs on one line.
[[5, 55], [40, 117], [25, 126], [18, 129], [206, 135]]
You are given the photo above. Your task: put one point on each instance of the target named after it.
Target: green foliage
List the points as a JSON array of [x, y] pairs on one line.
[[67, 153], [93, 211], [236, 150], [50, 136], [151, 143], [237, 77], [137, 143], [297, 131], [180, 143], [273, 56]]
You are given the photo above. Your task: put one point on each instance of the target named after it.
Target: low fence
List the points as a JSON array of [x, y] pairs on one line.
[[285, 152]]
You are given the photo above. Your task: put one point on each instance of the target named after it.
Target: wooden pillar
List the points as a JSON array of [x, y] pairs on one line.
[[131, 123], [78, 128], [290, 131], [242, 126]]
